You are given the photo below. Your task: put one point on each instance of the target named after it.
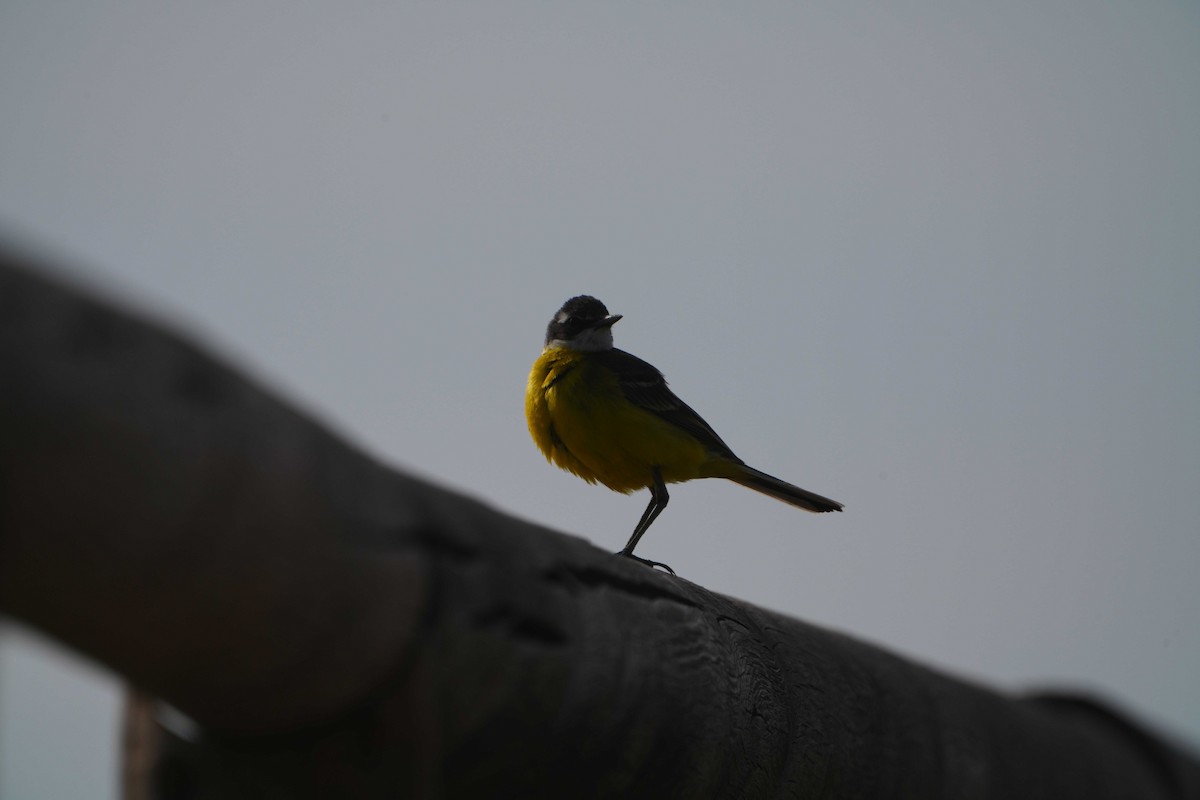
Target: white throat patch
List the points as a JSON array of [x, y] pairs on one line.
[[588, 341]]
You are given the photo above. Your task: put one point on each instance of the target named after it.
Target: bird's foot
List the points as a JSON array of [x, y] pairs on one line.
[[646, 561]]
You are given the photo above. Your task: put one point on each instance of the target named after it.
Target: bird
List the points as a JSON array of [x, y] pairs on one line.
[[608, 417]]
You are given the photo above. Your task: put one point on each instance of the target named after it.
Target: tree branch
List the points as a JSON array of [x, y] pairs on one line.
[[339, 629]]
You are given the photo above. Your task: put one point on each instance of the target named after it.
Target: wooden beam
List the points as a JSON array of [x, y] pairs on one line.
[[336, 628]]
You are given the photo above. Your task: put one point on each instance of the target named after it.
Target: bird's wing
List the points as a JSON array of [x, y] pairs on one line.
[[644, 386]]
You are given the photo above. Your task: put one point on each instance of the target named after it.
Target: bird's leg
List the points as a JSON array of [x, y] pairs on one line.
[[658, 501]]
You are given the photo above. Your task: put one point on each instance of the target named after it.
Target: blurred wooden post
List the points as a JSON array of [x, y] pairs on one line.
[[338, 629], [142, 744]]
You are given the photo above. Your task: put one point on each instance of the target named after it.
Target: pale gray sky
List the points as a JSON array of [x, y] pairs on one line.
[[938, 261]]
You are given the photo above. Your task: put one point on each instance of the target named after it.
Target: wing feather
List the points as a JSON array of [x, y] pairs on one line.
[[644, 386]]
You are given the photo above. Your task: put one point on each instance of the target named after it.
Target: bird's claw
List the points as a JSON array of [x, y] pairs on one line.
[[646, 561]]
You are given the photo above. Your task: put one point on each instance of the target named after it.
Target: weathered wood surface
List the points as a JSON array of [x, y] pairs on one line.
[[338, 629]]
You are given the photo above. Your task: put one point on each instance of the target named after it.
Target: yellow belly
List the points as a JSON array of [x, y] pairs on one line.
[[583, 424]]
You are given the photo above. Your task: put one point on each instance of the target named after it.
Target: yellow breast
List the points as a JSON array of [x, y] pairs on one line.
[[581, 422]]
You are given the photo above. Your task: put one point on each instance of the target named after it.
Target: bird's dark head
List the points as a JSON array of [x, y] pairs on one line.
[[583, 323]]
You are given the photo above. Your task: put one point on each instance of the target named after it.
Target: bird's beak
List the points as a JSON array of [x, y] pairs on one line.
[[608, 321]]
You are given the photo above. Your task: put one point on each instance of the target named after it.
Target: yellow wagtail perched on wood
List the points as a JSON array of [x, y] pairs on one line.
[[608, 416]]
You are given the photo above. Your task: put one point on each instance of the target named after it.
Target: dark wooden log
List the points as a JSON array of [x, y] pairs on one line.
[[335, 628]]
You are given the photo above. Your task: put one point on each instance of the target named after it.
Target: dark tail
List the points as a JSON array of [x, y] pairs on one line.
[[781, 490]]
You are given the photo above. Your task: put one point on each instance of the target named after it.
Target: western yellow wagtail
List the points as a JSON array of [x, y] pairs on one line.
[[608, 416]]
